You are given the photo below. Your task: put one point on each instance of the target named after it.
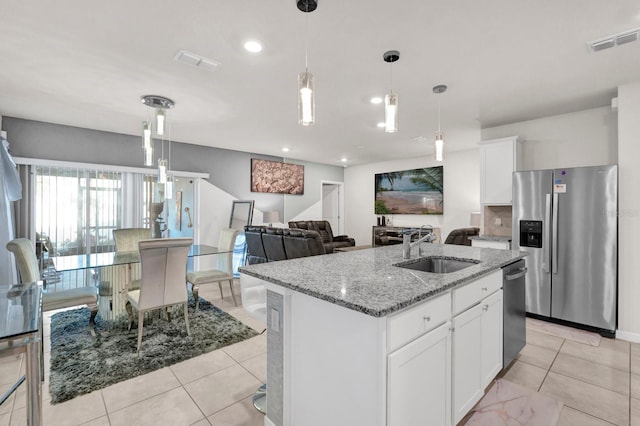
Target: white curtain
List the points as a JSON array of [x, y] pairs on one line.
[[10, 190]]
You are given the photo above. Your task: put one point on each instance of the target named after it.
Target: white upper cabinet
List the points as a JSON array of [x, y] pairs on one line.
[[499, 158]]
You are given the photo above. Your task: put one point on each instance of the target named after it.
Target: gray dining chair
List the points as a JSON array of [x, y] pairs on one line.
[[27, 262], [224, 272], [164, 267]]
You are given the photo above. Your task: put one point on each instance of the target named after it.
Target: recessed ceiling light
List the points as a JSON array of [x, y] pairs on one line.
[[344, 160], [285, 149], [380, 124], [253, 46], [376, 100]]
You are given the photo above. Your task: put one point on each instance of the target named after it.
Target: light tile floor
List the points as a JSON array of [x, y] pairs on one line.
[[211, 389], [598, 385]]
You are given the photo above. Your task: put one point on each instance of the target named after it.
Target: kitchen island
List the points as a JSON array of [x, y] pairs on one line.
[[354, 339]]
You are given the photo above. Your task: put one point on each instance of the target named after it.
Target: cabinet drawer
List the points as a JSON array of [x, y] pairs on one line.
[[416, 321], [472, 293]]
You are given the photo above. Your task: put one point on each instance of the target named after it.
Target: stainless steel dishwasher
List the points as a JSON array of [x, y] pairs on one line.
[[514, 314]]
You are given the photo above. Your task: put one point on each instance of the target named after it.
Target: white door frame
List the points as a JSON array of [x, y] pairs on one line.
[[340, 230]]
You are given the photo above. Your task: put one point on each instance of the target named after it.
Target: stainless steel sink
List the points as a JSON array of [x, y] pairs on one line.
[[437, 264]]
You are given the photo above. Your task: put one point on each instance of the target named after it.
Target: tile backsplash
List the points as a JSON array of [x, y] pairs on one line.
[[497, 221]]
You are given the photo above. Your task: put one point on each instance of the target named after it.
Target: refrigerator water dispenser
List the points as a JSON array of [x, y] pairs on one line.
[[531, 233]]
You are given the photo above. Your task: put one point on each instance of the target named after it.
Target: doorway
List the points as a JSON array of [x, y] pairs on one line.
[[332, 205]]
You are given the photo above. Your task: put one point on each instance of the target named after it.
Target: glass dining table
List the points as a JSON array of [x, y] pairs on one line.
[[118, 285], [21, 332]]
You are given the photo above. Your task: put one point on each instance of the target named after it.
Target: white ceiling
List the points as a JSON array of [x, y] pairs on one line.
[[86, 63]]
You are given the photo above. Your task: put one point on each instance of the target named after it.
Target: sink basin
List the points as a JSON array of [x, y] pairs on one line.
[[437, 264]]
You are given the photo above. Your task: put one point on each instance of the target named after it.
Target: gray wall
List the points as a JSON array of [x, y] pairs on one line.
[[229, 170]]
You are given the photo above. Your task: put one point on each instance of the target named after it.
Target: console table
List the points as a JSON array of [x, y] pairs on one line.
[[389, 235]]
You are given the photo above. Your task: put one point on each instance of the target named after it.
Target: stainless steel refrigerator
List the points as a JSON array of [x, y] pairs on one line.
[[566, 219]]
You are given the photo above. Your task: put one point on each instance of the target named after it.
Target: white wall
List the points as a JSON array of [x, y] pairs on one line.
[[584, 138], [461, 194], [628, 212]]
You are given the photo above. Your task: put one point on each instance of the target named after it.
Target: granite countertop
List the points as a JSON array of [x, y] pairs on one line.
[[366, 280], [490, 238]]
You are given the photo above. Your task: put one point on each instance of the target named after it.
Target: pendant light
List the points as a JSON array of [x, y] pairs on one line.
[[391, 99], [147, 145], [306, 82], [439, 142], [160, 105]]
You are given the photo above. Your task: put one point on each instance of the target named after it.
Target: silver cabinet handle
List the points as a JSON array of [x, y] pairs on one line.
[[426, 318], [485, 308], [484, 288]]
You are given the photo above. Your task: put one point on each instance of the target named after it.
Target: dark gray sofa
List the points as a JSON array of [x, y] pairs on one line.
[[267, 244]]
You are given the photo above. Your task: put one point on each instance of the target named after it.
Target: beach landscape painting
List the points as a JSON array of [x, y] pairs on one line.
[[417, 191]]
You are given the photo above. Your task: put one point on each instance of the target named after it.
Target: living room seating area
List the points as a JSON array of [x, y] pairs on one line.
[[323, 227], [268, 244]]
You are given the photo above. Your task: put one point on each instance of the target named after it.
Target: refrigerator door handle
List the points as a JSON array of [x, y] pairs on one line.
[[546, 255], [554, 249]]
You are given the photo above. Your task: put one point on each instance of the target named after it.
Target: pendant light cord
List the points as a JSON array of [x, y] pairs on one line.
[[438, 115], [306, 41]]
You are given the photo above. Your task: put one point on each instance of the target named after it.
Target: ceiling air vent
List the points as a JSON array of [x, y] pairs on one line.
[[196, 60], [614, 40]]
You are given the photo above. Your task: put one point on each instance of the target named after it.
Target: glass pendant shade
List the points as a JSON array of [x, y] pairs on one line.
[[306, 101], [160, 116], [391, 113], [168, 187], [439, 146], [162, 171], [147, 147]]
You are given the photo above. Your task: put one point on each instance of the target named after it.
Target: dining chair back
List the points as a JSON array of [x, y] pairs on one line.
[[164, 267], [127, 238], [27, 262], [224, 271]]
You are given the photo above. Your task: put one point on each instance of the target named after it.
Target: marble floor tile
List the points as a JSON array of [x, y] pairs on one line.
[[19, 418], [129, 392], [635, 386], [596, 401], [241, 413], [609, 354], [571, 417], [247, 349], [203, 365], [635, 358], [257, 366], [101, 421], [526, 375], [509, 404], [217, 391], [635, 412], [536, 355], [5, 419], [75, 411], [203, 422], [174, 407], [544, 340], [591, 372], [564, 332]]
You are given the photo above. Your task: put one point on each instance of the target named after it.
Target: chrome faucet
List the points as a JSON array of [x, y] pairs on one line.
[[407, 244]]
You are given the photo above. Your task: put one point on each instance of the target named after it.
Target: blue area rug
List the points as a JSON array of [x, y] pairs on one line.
[[82, 363]]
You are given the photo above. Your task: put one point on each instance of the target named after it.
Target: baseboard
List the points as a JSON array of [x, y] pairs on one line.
[[628, 336]]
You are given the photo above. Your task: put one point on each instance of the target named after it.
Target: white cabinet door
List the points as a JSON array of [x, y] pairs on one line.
[[467, 365], [498, 158], [491, 349], [419, 381]]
